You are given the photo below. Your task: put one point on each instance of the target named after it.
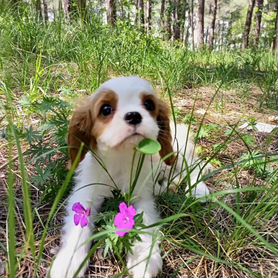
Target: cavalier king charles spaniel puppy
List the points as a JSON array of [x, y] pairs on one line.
[[111, 123]]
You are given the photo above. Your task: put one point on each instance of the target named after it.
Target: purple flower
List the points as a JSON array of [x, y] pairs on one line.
[[124, 220], [81, 215]]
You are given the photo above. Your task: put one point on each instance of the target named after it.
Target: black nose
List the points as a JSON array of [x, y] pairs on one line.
[[133, 118]]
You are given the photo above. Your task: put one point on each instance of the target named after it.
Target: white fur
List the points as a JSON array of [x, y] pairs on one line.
[[145, 260], [188, 166], [128, 90]]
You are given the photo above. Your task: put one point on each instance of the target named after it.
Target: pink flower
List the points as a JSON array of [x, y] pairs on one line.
[[81, 215], [124, 220]]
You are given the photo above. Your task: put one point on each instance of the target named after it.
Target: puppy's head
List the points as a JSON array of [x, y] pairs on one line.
[[118, 116]]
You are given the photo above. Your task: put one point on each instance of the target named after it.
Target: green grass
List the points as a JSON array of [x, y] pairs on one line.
[[45, 67]]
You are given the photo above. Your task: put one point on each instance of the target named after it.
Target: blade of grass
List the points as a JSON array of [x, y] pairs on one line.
[[246, 225], [56, 202], [11, 248], [27, 205]]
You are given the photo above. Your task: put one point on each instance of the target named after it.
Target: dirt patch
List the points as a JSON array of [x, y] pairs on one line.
[[223, 107]]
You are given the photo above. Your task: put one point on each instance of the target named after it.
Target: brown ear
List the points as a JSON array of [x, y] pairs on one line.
[[164, 136], [80, 129]]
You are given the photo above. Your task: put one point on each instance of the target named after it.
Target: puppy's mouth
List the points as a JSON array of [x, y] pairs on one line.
[[132, 139]]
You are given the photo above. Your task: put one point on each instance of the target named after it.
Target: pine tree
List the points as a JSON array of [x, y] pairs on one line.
[[248, 22]]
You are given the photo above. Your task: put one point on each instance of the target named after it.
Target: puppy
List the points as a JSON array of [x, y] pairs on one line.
[[111, 123]]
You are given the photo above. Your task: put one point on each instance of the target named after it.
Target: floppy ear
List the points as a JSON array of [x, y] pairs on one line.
[[164, 135], [80, 129]]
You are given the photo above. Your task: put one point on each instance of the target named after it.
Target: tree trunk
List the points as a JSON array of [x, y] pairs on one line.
[[260, 4], [82, 8], [275, 39], [136, 21], [176, 19], [38, 8], [185, 21], [149, 15], [206, 35], [111, 12], [141, 14], [200, 26], [248, 22], [223, 35], [212, 26], [191, 20], [186, 25], [162, 15], [217, 43], [45, 10], [169, 21], [67, 8]]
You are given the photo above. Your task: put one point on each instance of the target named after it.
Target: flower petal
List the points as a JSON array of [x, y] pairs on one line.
[[78, 208], [124, 220], [131, 211], [119, 219], [123, 207], [84, 221], [76, 219], [128, 226], [88, 212], [121, 234]]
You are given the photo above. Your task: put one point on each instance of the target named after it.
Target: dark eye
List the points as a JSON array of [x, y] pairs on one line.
[[149, 105], [106, 110]]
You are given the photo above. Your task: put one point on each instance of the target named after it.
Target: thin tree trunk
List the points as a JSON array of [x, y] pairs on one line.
[[275, 39], [141, 14], [206, 35], [186, 25], [222, 34], [136, 20], [260, 4], [149, 15], [82, 8], [218, 41], [67, 8], [111, 12], [169, 20], [191, 15], [176, 19], [125, 10], [200, 27], [45, 10], [162, 15], [212, 34], [248, 22], [38, 8]]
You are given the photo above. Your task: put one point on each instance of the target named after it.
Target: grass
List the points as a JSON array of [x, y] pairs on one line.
[[44, 68]]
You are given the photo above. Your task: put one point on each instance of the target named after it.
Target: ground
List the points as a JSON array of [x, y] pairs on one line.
[[219, 111]]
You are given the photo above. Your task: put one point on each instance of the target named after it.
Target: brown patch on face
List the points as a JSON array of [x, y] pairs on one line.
[[88, 122], [107, 99], [160, 112], [164, 135], [80, 129], [150, 103]]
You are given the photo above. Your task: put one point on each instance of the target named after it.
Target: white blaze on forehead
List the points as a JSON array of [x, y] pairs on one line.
[[127, 86]]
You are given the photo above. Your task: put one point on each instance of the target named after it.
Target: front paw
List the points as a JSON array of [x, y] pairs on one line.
[[201, 190], [67, 263], [141, 265]]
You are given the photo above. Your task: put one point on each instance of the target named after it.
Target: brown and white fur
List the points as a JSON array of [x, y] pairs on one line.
[[136, 113]]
